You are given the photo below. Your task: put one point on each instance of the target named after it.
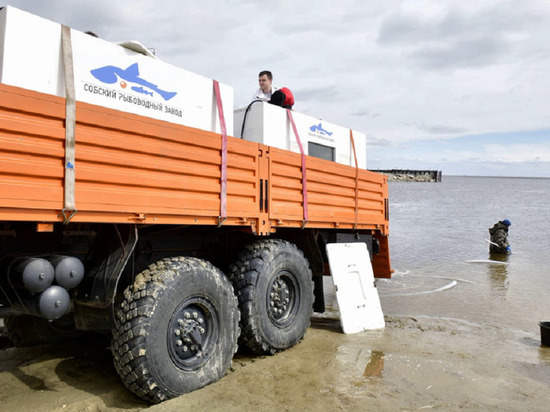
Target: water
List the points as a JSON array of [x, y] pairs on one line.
[[437, 228]]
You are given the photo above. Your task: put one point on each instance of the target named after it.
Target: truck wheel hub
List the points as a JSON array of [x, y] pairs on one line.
[[191, 333], [281, 299]]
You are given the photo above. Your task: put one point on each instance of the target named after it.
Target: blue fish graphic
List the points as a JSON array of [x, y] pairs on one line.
[[111, 74], [319, 128], [141, 90]]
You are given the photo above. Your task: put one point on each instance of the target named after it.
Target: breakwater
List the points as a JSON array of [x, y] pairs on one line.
[[407, 175]]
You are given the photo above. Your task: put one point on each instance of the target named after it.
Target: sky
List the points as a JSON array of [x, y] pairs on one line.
[[451, 85]]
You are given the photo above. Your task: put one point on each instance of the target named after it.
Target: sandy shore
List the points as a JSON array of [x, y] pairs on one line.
[[412, 364]]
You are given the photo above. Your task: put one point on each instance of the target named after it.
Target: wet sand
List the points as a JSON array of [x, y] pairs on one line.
[[413, 364]]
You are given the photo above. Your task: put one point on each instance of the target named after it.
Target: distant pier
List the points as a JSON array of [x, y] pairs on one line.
[[406, 175]]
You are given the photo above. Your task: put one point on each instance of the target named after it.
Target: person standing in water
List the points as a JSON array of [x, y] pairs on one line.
[[499, 237]]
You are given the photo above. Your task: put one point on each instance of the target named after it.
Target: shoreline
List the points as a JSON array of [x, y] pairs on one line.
[[414, 363]]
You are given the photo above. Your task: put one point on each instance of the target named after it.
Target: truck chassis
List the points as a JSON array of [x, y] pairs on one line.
[[191, 243]]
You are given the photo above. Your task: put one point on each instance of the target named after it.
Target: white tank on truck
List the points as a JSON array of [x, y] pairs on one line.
[[121, 76], [268, 124]]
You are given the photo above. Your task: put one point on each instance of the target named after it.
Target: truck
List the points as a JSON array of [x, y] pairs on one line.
[[125, 212]]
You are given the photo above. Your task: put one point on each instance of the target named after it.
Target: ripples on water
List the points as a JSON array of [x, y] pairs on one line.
[[436, 228]]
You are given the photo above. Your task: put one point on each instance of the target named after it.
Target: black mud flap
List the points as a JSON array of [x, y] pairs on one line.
[[95, 297]]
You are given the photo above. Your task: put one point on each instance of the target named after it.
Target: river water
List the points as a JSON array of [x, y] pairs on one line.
[[438, 248], [461, 333]]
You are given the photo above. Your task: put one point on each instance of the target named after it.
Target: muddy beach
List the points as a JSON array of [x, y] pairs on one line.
[[412, 364]]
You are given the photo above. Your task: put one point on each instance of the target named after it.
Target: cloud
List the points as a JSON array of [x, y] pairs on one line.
[[460, 54], [414, 75], [441, 129], [373, 141], [366, 113], [519, 152], [323, 94], [455, 37]]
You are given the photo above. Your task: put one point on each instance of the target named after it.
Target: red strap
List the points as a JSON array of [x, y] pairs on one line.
[[223, 178], [356, 178], [304, 180]]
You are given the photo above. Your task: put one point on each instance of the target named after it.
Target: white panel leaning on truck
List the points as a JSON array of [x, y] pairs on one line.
[[356, 293]]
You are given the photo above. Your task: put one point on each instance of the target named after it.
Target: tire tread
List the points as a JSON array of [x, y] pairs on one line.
[[129, 346], [244, 274]]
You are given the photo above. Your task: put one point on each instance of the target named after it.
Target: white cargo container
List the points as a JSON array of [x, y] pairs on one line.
[[268, 124], [105, 73]]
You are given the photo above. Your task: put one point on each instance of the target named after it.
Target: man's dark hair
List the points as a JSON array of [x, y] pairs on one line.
[[267, 73]]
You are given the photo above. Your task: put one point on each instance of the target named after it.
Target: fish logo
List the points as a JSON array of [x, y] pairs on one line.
[[319, 128], [141, 90], [111, 74]]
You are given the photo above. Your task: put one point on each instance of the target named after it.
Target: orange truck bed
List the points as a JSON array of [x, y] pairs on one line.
[[134, 169]]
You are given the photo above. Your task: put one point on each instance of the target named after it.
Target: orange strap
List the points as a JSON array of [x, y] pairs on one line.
[[356, 179], [304, 179], [69, 203], [223, 177]]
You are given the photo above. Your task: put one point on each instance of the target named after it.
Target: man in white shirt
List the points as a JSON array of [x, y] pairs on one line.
[[265, 78]]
